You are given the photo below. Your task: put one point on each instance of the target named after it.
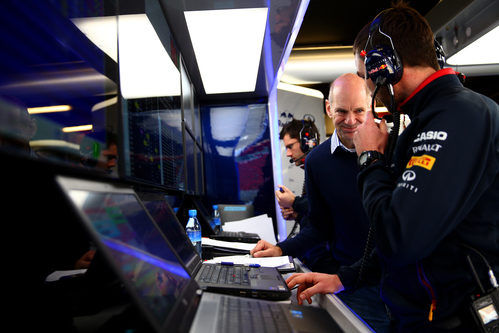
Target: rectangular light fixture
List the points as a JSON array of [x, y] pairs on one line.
[[81, 128], [484, 50], [49, 109], [228, 44], [300, 90], [146, 69], [102, 31]]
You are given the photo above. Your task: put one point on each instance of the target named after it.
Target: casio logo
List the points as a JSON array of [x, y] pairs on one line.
[[431, 135]]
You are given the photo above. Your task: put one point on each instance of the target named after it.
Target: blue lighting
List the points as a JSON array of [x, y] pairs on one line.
[[143, 256]]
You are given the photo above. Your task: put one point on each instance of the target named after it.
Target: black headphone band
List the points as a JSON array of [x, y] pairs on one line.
[[383, 65]]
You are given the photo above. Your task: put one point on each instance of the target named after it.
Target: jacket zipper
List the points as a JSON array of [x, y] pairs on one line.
[[429, 289]]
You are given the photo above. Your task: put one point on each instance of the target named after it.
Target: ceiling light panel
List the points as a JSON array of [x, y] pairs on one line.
[[228, 45], [484, 50], [146, 69]]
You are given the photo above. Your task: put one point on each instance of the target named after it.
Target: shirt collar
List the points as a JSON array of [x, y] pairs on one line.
[[434, 76], [335, 143]]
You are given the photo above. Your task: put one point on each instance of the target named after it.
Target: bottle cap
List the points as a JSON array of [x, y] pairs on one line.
[[215, 206], [192, 212]]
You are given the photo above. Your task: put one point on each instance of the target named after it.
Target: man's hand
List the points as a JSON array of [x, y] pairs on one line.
[[265, 249], [288, 213], [371, 136], [85, 260], [285, 198], [314, 283]]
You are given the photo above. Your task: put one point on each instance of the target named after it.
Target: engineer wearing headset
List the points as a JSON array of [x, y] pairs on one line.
[[299, 138], [433, 205], [335, 208]]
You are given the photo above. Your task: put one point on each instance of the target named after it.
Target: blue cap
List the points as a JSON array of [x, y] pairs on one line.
[[192, 212], [215, 206]]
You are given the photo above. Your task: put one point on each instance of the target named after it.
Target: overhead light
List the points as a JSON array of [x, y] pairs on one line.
[[104, 104], [484, 50], [314, 65], [102, 31], [49, 109], [381, 109], [227, 44], [146, 69], [300, 90], [81, 128]]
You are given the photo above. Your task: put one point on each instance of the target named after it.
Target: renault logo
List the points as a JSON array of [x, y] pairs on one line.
[[408, 175]]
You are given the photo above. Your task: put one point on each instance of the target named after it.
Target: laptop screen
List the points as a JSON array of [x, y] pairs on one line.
[[136, 247], [167, 222]]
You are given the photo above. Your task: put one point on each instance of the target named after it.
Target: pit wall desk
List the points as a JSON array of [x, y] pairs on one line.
[[345, 318]]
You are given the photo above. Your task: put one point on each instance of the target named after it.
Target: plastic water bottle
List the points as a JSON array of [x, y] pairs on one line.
[[217, 225], [193, 230]]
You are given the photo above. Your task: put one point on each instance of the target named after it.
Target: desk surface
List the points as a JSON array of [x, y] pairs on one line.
[[345, 318]]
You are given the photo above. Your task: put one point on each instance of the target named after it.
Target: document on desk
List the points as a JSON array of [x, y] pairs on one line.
[[261, 225], [282, 263], [227, 245]]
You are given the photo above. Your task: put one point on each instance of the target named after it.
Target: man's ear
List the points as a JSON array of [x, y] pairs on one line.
[[328, 109]]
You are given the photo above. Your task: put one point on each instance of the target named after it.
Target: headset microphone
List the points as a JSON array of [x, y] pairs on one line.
[[301, 159]]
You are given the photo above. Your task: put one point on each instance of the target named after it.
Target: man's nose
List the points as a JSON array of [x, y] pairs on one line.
[[350, 118]]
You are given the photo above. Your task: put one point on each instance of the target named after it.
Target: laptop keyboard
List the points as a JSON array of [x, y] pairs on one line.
[[248, 315], [238, 275], [230, 234]]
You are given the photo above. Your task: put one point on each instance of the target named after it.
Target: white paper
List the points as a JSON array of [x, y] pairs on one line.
[[261, 225], [228, 245], [247, 259], [56, 275]]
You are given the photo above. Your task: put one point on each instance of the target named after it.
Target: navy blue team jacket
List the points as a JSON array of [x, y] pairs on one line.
[[440, 198]]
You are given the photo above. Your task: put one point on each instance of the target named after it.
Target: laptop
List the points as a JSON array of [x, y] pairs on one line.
[[116, 213], [228, 236], [160, 285], [260, 282]]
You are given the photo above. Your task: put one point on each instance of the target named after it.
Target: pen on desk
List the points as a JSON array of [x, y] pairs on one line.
[[227, 263]]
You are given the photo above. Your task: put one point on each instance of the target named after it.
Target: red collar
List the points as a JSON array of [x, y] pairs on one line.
[[434, 76]]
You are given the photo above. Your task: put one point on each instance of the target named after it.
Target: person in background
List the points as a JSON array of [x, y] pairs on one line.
[[336, 214], [299, 138], [433, 202]]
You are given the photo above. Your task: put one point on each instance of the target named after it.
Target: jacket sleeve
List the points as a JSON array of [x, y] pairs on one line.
[[366, 271], [300, 205], [306, 239], [442, 174]]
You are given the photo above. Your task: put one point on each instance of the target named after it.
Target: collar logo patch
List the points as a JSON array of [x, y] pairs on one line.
[[424, 161]]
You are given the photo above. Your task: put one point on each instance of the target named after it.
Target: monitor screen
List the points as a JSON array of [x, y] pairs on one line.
[[155, 141], [168, 223], [136, 247]]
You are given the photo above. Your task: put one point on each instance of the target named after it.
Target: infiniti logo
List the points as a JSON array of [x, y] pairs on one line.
[[408, 175]]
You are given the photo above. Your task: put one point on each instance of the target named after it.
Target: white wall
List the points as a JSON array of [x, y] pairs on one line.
[[297, 104]]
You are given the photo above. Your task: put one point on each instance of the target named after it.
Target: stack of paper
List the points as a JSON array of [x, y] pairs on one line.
[[261, 225]]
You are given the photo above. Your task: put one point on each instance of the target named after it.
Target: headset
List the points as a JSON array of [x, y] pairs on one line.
[[308, 135], [383, 65]]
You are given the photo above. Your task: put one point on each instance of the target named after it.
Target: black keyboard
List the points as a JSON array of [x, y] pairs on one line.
[[225, 274], [236, 236], [249, 315]]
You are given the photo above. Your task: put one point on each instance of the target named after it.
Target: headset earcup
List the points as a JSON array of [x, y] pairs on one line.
[[383, 65], [303, 144]]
